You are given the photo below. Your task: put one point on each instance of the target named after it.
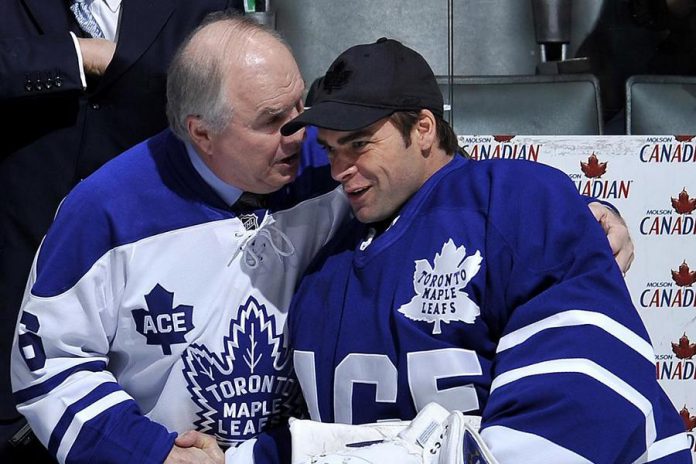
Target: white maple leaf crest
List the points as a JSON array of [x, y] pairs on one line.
[[249, 385], [440, 295]]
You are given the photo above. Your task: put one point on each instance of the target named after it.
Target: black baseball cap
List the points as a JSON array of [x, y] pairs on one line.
[[367, 83]]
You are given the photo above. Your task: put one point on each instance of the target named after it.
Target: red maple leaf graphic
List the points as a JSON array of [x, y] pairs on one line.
[[684, 138], [689, 420], [684, 349], [685, 277], [593, 168], [503, 138], [683, 204]]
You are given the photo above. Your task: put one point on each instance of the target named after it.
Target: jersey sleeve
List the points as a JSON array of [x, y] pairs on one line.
[[60, 356], [574, 374]]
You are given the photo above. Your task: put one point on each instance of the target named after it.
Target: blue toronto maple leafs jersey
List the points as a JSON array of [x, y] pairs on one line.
[[151, 309], [494, 293]]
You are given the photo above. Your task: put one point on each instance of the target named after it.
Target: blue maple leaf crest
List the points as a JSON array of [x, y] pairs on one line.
[[249, 386], [161, 324]]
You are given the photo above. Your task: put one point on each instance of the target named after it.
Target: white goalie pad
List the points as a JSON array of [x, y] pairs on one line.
[[434, 436]]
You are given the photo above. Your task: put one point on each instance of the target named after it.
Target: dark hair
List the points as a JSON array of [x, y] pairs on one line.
[[405, 120]]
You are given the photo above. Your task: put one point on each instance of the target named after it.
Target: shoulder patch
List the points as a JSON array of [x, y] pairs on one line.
[[161, 323]]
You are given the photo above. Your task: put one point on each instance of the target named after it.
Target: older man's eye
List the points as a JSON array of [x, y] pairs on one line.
[[274, 120]]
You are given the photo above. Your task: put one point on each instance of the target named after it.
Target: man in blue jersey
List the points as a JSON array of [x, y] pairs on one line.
[[484, 286]]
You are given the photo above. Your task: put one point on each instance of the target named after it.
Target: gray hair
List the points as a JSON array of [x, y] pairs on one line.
[[196, 76]]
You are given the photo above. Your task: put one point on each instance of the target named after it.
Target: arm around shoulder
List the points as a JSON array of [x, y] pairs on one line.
[[573, 350]]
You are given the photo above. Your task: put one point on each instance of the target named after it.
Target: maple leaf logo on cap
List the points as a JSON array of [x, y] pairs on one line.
[[684, 138], [684, 349], [336, 77], [685, 276], [593, 168], [683, 204], [503, 138], [689, 420]]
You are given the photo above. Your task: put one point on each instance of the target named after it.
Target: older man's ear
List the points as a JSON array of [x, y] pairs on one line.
[[617, 234]]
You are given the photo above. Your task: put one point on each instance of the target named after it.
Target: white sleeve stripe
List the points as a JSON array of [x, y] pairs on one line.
[[509, 445], [593, 370], [664, 447], [83, 416], [580, 317]]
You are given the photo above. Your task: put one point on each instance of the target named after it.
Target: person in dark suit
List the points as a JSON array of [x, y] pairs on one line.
[[69, 108]]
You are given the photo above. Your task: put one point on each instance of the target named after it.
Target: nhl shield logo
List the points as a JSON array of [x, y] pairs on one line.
[[249, 221], [440, 295]]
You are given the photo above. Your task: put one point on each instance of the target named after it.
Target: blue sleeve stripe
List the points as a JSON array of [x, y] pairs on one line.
[[580, 317], [70, 444], [69, 414], [592, 370], [114, 431], [40, 389]]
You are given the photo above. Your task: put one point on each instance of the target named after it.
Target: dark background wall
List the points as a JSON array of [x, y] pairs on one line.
[[619, 38]]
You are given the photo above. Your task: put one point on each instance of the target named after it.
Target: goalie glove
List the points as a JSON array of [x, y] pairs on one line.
[[434, 436]]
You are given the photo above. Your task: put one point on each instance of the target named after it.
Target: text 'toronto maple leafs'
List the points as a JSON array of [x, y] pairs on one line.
[[248, 385], [440, 295]]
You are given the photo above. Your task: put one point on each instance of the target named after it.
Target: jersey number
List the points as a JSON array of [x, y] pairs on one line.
[[30, 344], [425, 368]]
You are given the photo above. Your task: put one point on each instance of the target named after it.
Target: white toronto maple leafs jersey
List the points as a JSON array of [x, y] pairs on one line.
[[151, 309], [494, 293]]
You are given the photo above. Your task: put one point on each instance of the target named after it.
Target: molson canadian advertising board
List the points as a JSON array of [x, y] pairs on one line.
[[652, 181]]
